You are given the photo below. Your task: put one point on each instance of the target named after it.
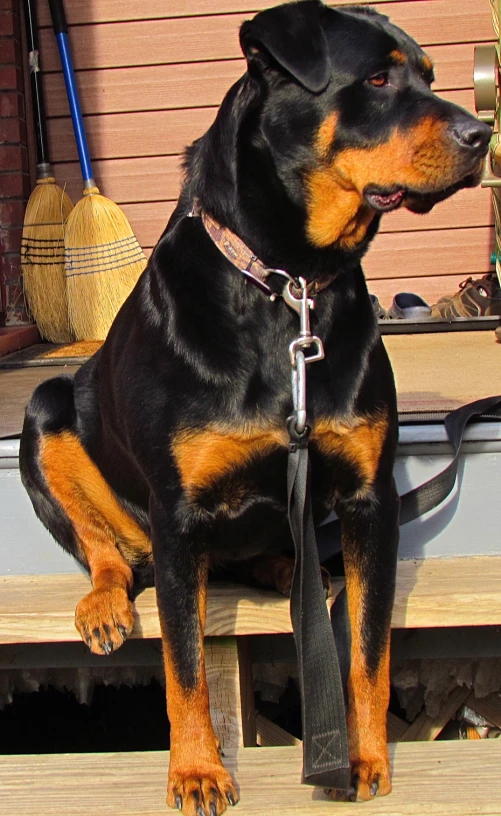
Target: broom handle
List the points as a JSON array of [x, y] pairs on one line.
[[61, 31], [37, 98]]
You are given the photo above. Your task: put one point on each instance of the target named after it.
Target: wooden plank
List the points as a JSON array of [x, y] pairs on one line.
[[445, 778], [148, 219], [223, 679], [464, 98], [126, 180], [79, 13], [397, 262], [422, 254], [142, 88], [437, 592], [43, 608], [428, 728], [488, 707], [131, 180], [468, 208], [269, 734], [395, 727], [129, 135], [472, 260], [193, 39], [453, 65], [146, 133], [203, 83], [448, 592], [16, 387], [439, 369]]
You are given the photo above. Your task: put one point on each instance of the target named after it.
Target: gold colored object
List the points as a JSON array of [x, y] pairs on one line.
[[486, 82], [489, 178]]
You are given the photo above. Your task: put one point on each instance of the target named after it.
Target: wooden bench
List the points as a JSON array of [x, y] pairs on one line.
[[434, 592], [443, 778], [430, 592], [37, 610]]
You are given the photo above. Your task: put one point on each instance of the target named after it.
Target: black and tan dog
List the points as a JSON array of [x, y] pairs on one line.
[[166, 452]]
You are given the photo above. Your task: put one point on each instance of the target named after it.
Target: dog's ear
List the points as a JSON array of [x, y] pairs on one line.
[[292, 35]]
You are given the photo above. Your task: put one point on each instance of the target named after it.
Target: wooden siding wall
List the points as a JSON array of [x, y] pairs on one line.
[[151, 75]]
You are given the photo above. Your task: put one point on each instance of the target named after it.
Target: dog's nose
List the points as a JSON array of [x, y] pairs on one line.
[[473, 134]]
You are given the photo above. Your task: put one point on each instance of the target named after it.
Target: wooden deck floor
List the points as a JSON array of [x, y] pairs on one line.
[[433, 372], [440, 778]]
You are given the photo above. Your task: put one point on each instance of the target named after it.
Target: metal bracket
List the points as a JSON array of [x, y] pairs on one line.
[[486, 82]]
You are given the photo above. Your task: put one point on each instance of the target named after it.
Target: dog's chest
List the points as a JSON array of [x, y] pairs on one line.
[[224, 466]]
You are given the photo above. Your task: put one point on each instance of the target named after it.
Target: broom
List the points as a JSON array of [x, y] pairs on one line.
[[102, 256], [42, 244]]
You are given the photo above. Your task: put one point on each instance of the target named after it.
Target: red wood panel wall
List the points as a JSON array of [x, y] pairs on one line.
[[151, 76]]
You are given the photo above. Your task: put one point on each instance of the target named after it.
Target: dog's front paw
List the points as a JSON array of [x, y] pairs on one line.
[[201, 791], [104, 618], [368, 779]]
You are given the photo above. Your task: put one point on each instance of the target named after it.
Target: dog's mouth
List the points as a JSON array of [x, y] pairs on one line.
[[422, 203], [416, 201], [382, 200]]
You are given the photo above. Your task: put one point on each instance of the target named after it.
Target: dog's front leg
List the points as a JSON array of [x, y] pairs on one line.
[[198, 783], [370, 542]]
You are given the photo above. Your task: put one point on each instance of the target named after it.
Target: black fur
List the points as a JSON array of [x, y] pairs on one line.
[[196, 345]]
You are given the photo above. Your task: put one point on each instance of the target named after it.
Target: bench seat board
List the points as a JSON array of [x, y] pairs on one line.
[[427, 778], [434, 592]]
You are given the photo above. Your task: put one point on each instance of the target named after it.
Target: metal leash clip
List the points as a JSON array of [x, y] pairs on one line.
[[306, 340]]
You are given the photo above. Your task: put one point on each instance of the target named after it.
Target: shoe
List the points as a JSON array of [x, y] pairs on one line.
[[408, 306], [378, 309], [476, 298], [497, 333]]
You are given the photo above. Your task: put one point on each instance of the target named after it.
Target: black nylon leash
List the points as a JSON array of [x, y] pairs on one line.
[[325, 742], [433, 492]]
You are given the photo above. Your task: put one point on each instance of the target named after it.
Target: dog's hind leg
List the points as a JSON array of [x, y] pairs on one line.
[[198, 783], [79, 508]]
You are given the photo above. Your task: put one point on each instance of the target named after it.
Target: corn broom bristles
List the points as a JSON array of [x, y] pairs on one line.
[[42, 259], [103, 262]]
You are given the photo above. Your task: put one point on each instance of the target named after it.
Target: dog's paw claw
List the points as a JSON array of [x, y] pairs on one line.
[[104, 618], [201, 792]]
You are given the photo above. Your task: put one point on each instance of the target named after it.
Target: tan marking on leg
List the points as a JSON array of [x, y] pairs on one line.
[[203, 456], [196, 773], [105, 534], [368, 699], [359, 442]]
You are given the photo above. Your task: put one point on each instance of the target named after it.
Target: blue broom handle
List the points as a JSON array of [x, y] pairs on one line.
[[61, 32]]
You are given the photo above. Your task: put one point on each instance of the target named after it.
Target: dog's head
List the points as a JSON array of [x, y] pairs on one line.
[[346, 112]]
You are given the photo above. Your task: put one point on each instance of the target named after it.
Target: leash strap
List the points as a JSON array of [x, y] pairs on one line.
[[325, 743], [431, 493]]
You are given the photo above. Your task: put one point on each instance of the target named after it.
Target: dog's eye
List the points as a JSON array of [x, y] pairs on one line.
[[379, 80]]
